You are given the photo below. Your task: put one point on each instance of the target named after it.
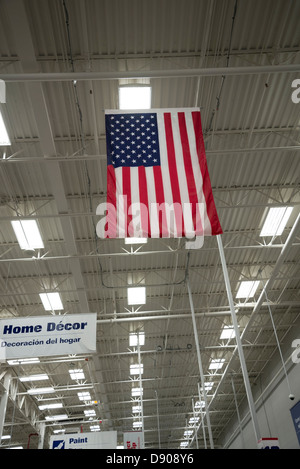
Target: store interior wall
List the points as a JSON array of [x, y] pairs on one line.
[[271, 395]]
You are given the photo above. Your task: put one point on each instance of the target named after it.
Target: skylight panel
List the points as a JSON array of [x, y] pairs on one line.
[[136, 392], [57, 417], [138, 424], [134, 97], [136, 295], [136, 409], [216, 364], [51, 301], [4, 138], [84, 396], [28, 234], [95, 428], [39, 377], [136, 339], [275, 221], [228, 332], [135, 240], [247, 289], [136, 369], [35, 391], [77, 374], [56, 405]]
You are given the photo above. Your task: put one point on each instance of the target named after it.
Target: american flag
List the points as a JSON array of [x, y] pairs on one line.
[[157, 178]]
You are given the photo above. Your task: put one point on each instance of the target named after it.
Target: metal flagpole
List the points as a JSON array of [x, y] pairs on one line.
[[238, 342], [141, 392], [202, 417], [238, 413], [199, 360]]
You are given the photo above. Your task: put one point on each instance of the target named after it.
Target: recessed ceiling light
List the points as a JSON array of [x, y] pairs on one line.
[[247, 289], [134, 97], [275, 221], [136, 295], [28, 234]]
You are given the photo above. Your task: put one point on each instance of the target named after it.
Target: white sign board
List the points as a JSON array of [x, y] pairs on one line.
[[133, 440], [268, 443], [47, 336], [93, 440]]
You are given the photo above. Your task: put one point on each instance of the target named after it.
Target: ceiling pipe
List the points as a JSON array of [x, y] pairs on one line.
[[181, 73]]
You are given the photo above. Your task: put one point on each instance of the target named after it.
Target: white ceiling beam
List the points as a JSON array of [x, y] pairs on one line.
[[178, 73]]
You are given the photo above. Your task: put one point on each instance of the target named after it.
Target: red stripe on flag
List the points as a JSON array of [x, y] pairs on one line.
[[173, 173], [111, 217], [207, 190], [127, 198], [188, 166]]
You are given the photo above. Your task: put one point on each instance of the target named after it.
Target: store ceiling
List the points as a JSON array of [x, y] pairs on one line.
[[55, 172]]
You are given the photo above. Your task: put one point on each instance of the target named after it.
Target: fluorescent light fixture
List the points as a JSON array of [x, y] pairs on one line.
[[228, 332], [28, 234], [51, 301], [275, 221], [84, 396], [184, 444], [136, 369], [216, 364], [136, 339], [247, 289], [136, 295], [4, 138], [57, 417], [23, 361], [62, 430], [5, 437], [89, 413], [34, 391], [136, 240], [95, 428], [136, 392], [57, 405], [40, 377], [134, 97], [77, 374]]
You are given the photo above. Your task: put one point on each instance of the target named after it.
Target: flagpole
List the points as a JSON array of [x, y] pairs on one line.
[[199, 360], [238, 342]]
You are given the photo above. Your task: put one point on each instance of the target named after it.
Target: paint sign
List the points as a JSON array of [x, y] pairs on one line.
[[47, 336], [268, 443], [133, 440], [91, 440]]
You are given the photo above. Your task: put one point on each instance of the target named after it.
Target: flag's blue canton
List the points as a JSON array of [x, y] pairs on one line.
[[132, 139]]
